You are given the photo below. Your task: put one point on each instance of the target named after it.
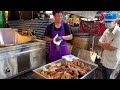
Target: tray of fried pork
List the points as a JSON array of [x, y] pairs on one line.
[[65, 69]]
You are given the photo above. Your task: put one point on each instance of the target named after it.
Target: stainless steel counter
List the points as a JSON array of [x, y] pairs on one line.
[[20, 58]]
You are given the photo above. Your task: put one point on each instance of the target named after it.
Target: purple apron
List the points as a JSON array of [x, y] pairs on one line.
[[54, 54]]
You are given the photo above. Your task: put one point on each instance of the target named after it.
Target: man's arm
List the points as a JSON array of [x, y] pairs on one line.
[[68, 32], [103, 44], [111, 48], [48, 39], [48, 34], [106, 46], [67, 37]]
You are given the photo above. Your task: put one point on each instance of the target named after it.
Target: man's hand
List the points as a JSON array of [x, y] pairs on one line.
[[59, 38], [107, 44]]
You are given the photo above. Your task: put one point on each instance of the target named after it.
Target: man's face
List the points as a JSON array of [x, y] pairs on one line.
[[58, 17], [110, 25]]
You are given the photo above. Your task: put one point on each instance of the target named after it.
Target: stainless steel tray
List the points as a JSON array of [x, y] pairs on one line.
[[89, 75]]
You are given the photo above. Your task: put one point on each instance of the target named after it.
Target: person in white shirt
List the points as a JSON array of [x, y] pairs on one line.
[[116, 73], [110, 42]]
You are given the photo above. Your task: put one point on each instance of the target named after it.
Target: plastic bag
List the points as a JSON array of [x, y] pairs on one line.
[[69, 57], [57, 43]]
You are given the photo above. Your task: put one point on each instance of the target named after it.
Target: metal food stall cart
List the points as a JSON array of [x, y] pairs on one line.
[[16, 59]]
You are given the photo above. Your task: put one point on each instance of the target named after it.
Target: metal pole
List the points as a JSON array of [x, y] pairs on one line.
[[32, 14], [20, 14]]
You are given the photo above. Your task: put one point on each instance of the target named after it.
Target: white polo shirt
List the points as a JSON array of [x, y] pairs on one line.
[[110, 59]]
